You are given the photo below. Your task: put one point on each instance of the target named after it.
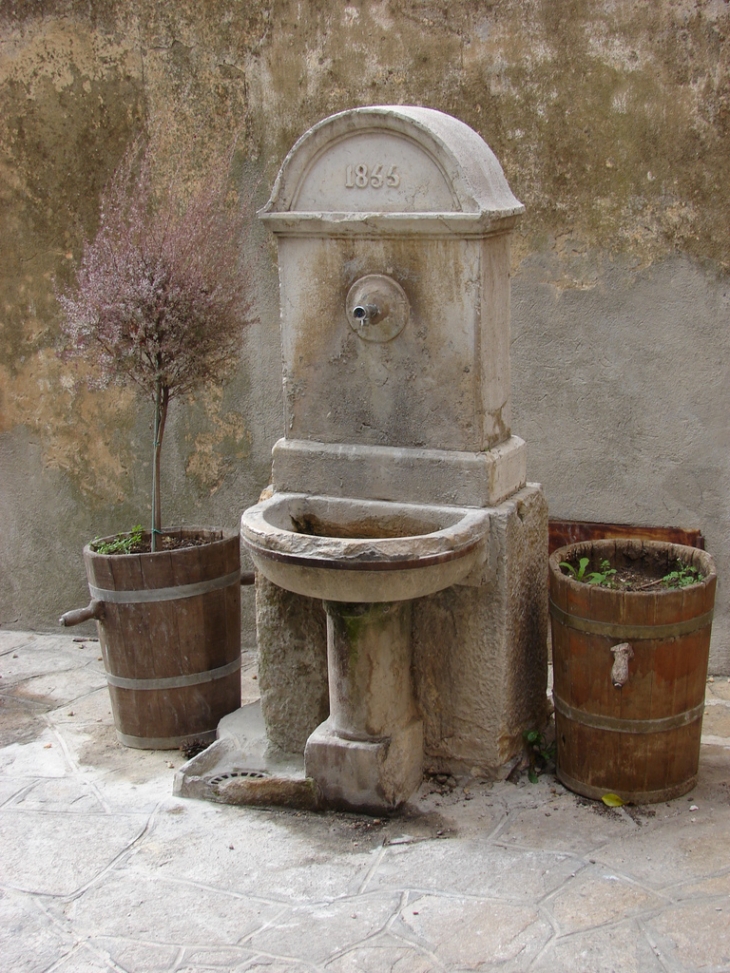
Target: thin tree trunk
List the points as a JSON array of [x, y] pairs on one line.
[[162, 399]]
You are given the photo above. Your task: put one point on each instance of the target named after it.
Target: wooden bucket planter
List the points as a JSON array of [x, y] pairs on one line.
[[170, 631], [629, 730]]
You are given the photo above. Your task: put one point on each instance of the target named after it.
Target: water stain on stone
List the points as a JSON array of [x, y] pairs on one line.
[[20, 719]]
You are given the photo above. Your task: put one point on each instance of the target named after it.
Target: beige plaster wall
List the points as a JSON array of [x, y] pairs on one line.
[[611, 120]]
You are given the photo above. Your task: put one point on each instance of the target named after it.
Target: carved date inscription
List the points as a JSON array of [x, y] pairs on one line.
[[377, 176]]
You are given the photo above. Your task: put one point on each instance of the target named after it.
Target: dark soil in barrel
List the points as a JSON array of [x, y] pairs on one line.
[[170, 542], [165, 542], [640, 574]]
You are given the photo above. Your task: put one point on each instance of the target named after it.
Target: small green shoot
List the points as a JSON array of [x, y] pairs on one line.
[[578, 573], [601, 577], [540, 752], [120, 543], [683, 576]]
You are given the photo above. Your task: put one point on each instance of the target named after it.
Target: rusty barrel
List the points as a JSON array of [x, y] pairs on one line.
[[629, 673], [170, 633]]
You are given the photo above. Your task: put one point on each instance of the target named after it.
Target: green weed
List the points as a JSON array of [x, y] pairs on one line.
[[120, 543], [541, 753], [600, 577], [682, 576]]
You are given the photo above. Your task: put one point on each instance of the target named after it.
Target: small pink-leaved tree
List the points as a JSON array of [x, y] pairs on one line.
[[162, 293]]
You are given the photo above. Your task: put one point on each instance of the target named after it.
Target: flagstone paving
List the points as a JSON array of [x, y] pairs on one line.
[[102, 868]]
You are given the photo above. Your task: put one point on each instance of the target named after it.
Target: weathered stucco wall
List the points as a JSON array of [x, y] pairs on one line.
[[611, 120]]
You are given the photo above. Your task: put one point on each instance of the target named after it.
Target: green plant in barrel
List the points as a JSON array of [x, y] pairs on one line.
[[161, 293], [122, 543], [681, 576], [602, 577]]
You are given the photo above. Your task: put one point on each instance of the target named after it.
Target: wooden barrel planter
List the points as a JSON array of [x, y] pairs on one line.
[[170, 631], [629, 673]]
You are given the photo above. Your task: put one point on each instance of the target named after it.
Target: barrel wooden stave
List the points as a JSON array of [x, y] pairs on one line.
[[667, 679], [171, 639]]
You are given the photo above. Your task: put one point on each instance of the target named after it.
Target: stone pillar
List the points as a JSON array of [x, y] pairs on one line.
[[369, 754], [292, 642], [480, 653], [369, 664]]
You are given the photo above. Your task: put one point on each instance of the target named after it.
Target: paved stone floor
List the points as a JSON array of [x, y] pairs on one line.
[[101, 868]]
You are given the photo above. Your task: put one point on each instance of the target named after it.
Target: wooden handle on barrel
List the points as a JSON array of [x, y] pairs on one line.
[[95, 609]]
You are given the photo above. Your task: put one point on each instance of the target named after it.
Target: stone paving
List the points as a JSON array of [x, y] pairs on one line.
[[103, 869]]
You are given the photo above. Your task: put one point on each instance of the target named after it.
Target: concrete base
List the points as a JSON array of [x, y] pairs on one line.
[[241, 767], [358, 775]]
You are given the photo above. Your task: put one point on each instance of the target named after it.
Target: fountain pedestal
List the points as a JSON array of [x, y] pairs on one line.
[[366, 560], [368, 755]]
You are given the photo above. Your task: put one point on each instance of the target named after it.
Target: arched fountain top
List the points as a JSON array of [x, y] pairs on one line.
[[391, 168]]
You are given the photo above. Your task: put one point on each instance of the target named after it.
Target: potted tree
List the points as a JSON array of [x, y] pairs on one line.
[[631, 623], [159, 302]]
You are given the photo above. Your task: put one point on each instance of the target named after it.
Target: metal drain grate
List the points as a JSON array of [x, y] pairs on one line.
[[250, 774]]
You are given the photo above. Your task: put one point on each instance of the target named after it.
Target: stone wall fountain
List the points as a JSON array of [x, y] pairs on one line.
[[399, 508]]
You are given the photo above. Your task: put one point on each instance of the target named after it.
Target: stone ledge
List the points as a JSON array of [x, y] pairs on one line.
[[401, 475]]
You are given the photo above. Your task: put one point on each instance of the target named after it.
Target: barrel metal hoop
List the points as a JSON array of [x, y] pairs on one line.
[[175, 682], [625, 632], [166, 743], [634, 797], [147, 595], [614, 725]]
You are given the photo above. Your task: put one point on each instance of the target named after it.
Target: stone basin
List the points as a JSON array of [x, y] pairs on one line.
[[347, 550]]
